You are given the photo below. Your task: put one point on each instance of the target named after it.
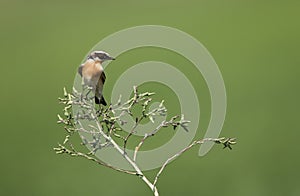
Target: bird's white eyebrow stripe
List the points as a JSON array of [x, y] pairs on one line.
[[101, 52]]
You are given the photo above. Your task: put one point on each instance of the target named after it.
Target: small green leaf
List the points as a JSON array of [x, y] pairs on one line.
[[151, 119], [66, 113], [60, 118], [65, 92]]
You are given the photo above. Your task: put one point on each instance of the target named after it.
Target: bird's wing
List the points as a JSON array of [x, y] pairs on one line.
[[100, 83], [99, 99], [80, 69], [103, 77]]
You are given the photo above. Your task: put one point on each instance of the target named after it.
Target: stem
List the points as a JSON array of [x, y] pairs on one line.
[[131, 162], [131, 132], [180, 153], [73, 152], [137, 148]]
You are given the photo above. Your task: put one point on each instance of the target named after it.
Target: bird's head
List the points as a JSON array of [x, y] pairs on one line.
[[100, 56]]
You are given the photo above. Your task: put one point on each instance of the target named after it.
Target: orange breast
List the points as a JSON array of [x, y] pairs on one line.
[[91, 71]]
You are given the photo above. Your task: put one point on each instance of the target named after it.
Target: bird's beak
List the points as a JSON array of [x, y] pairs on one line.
[[111, 58]]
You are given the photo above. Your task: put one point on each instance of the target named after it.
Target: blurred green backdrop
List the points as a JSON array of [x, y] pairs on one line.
[[255, 43]]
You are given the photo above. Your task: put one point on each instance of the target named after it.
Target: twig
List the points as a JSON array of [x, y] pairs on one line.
[[171, 122], [63, 149], [132, 163], [137, 122], [106, 129], [226, 142], [137, 148]]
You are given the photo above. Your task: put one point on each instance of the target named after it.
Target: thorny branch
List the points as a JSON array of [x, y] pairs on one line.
[[107, 129]]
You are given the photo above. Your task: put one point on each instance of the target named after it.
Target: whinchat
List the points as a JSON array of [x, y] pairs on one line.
[[93, 75]]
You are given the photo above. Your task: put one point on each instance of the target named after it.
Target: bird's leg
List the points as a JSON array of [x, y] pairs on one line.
[[86, 90], [82, 91]]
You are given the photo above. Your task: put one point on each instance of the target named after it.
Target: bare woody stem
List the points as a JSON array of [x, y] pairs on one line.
[[137, 148], [164, 123], [128, 159], [108, 121], [75, 153], [226, 142], [131, 132]]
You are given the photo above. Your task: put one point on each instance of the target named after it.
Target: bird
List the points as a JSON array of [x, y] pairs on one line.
[[92, 73]]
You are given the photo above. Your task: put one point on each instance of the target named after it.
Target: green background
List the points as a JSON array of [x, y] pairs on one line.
[[255, 43]]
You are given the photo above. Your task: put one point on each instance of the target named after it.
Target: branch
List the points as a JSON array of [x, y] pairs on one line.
[[106, 128], [137, 122], [137, 148], [226, 142], [62, 149], [121, 151], [172, 122]]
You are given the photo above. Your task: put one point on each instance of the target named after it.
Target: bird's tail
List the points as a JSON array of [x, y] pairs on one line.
[[100, 101]]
